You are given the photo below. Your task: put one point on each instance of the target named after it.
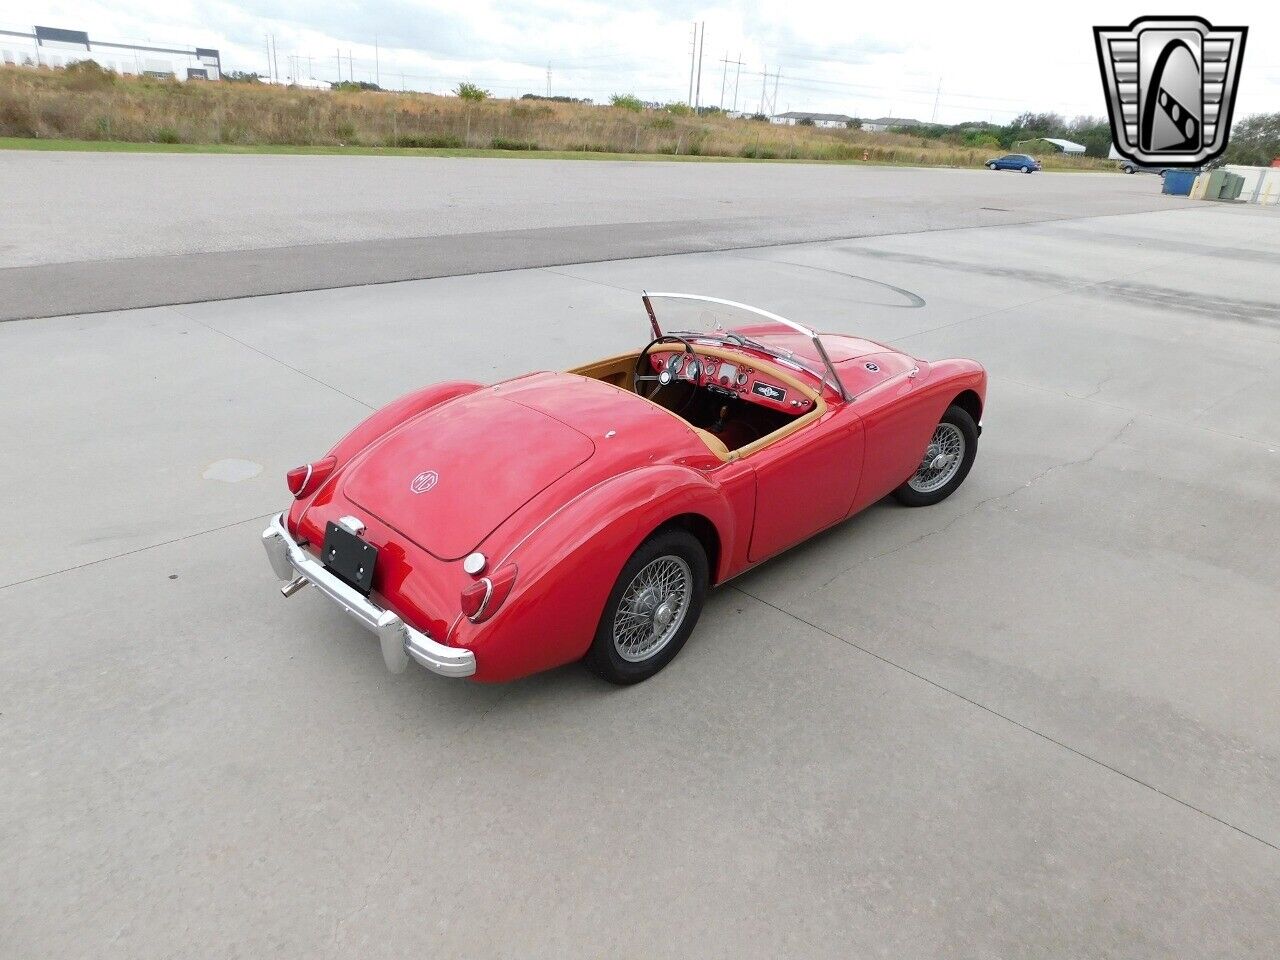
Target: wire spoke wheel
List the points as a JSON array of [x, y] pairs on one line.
[[941, 460], [652, 608]]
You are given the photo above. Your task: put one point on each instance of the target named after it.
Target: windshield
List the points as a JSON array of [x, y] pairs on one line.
[[725, 321]]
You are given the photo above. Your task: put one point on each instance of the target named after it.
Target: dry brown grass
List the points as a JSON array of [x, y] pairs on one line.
[[61, 104]]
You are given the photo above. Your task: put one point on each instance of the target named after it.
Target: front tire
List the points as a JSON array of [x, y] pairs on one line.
[[991, 166], [1026, 169], [946, 461], [1128, 169], [652, 608]]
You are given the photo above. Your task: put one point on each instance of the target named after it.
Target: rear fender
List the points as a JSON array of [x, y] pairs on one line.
[[395, 413], [569, 564]]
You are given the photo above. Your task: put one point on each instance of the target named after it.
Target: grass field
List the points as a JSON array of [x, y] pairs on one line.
[[93, 109]]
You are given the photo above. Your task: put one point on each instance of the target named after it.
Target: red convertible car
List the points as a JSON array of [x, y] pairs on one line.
[[491, 532]]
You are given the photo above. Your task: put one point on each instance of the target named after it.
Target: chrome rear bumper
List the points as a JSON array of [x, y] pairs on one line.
[[400, 642]]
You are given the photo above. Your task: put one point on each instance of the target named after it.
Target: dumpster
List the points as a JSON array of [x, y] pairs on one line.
[[1178, 182], [1231, 186]]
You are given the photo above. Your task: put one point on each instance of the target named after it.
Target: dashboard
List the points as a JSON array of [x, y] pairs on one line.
[[730, 379]]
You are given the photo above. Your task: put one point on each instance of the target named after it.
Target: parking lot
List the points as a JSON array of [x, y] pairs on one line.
[[1037, 720]]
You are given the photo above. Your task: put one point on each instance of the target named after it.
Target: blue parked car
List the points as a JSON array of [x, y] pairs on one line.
[[1014, 161]]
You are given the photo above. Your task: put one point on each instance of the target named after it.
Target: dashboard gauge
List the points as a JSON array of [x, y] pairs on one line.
[[742, 378], [693, 371]]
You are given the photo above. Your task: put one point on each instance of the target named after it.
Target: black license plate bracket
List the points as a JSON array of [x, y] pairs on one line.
[[346, 555]]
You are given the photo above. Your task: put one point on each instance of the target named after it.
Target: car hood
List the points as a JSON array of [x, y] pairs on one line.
[[449, 477]]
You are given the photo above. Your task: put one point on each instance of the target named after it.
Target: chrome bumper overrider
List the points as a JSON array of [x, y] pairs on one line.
[[400, 642]]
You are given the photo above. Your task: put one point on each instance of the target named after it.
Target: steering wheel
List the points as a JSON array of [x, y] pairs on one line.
[[642, 363]]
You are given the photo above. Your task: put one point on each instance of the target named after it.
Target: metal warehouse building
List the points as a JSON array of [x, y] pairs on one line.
[[55, 47]]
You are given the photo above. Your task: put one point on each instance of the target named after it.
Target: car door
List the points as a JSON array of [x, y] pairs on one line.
[[805, 482]]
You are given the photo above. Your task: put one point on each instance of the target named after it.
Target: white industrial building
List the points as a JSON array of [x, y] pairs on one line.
[[55, 47], [881, 124], [791, 118]]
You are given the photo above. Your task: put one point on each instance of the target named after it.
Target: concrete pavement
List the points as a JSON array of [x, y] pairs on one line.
[[1037, 720], [92, 232]]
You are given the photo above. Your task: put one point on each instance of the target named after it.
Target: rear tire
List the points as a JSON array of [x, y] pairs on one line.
[[1128, 169], [956, 436], [1026, 169], [652, 608]]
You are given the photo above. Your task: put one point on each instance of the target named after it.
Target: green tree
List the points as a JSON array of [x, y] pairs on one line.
[[469, 91], [1255, 140], [627, 101]]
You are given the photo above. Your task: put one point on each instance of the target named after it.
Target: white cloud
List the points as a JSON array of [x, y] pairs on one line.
[[863, 59]]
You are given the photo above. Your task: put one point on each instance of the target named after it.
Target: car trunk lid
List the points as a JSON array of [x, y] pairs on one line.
[[449, 477]]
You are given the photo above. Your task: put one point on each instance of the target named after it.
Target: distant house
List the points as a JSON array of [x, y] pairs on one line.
[[791, 118], [881, 124]]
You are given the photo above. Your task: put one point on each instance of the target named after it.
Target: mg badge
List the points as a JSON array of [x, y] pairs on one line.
[[1171, 86], [424, 481]]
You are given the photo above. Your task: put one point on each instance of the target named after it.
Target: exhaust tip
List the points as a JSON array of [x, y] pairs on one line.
[[293, 586]]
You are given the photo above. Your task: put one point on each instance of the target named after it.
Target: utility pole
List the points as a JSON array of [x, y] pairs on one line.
[[275, 60], [377, 64], [267, 38], [702, 42], [763, 86], [723, 77], [339, 64], [736, 77], [776, 74], [693, 57], [351, 66], [936, 97]]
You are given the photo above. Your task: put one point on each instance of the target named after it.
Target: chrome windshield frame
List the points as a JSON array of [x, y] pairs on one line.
[[831, 378]]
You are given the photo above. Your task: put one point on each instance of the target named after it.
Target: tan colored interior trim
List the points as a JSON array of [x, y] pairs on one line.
[[619, 370], [714, 443]]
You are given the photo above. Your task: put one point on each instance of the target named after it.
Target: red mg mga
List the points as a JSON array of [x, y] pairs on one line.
[[492, 532]]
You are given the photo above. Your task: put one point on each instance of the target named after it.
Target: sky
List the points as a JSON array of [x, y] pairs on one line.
[[949, 62]]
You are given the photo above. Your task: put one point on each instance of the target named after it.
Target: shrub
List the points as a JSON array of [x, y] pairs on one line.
[[627, 101], [469, 91], [88, 75], [678, 109], [506, 143], [167, 135], [421, 142]]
